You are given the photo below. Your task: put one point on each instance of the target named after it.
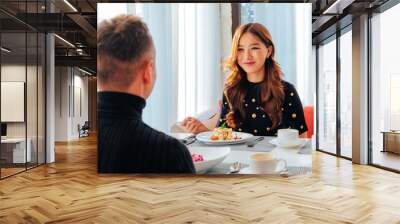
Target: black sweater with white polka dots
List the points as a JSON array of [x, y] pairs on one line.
[[257, 122]]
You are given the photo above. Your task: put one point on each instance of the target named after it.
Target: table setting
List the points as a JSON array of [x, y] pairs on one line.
[[237, 153]]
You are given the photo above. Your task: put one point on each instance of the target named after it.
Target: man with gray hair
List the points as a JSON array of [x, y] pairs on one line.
[[126, 77]]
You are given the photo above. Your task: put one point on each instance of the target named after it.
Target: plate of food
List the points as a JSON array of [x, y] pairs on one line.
[[205, 158], [223, 136]]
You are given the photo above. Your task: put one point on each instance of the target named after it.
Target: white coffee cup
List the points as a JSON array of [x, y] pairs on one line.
[[265, 163], [288, 136]]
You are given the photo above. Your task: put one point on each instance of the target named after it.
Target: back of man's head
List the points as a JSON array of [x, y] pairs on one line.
[[124, 43]]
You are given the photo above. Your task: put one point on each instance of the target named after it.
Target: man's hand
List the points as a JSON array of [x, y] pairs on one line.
[[192, 125]]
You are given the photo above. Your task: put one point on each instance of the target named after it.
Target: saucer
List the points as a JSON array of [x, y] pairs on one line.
[[299, 143], [248, 170]]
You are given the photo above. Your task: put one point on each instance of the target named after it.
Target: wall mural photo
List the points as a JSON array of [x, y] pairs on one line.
[[183, 89]]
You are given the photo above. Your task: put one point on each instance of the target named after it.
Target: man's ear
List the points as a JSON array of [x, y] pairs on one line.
[[148, 71]]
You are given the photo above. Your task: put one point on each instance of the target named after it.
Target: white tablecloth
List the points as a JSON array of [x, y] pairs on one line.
[[298, 160]]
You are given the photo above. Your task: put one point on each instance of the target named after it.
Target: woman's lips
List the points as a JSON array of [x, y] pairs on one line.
[[249, 63]]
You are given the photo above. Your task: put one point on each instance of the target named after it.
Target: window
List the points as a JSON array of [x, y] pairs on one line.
[[346, 94], [327, 96], [22, 66], [385, 85]]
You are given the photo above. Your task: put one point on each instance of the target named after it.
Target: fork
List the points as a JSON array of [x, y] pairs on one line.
[[188, 138], [190, 141]]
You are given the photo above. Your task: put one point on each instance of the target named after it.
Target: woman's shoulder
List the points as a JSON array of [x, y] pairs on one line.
[[287, 86]]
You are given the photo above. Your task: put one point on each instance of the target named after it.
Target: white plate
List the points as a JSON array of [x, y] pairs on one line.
[[248, 170], [204, 137], [298, 144], [212, 156]]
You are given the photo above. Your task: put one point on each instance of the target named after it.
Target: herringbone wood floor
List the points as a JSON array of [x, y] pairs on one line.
[[70, 191]]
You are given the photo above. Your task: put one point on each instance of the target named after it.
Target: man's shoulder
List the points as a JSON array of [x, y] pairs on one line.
[[173, 143], [164, 139]]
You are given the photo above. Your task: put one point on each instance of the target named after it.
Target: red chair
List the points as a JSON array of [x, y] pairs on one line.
[[309, 116]]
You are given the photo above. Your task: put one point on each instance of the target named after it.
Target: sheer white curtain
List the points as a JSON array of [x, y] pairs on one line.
[[189, 55], [199, 58], [160, 112], [191, 41]]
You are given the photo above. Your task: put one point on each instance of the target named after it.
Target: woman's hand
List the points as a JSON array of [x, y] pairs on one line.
[[192, 125], [230, 120], [304, 135]]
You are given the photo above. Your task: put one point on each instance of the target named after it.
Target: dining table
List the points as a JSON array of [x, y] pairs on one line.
[[298, 159]]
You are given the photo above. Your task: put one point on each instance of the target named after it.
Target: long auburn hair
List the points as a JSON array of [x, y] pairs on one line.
[[272, 93]]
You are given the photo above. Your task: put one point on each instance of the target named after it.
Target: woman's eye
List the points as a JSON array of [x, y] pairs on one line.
[[255, 48], [240, 49]]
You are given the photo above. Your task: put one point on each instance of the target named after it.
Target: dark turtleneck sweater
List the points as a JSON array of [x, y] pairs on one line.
[[127, 145]]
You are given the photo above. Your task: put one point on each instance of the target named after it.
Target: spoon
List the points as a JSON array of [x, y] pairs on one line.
[[284, 173], [235, 167], [253, 142]]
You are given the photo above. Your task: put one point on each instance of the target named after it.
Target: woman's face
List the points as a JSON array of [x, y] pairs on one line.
[[252, 53]]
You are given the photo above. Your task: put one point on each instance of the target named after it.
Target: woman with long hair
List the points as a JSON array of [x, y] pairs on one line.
[[256, 99]]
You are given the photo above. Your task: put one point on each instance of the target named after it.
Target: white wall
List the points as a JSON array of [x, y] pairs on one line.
[[70, 83], [33, 127], [79, 117], [12, 73], [61, 103]]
